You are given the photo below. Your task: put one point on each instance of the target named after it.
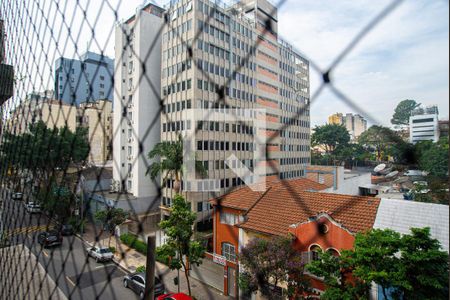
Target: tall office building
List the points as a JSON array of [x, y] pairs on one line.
[[84, 80], [355, 124], [424, 124], [272, 76], [136, 114]]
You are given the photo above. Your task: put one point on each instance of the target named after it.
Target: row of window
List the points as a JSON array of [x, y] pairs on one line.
[[292, 174], [234, 93], [175, 50], [211, 11], [177, 31], [294, 121], [294, 161], [285, 67], [213, 69], [213, 49], [225, 146], [295, 109], [214, 32], [180, 86], [176, 126], [290, 148], [294, 135], [221, 165], [225, 127], [177, 68], [177, 106]]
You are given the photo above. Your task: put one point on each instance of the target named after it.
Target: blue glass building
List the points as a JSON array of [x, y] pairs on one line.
[[84, 80]]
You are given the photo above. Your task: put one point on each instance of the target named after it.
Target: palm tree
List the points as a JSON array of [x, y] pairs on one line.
[[171, 162]]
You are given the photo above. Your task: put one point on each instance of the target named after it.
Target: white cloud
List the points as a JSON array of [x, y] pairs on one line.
[[405, 56]]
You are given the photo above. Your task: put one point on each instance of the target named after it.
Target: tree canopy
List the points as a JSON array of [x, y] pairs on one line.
[[268, 262], [403, 112], [410, 266], [433, 157], [379, 139], [330, 137], [42, 150]]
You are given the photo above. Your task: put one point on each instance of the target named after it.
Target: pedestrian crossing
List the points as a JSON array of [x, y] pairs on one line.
[[29, 229]]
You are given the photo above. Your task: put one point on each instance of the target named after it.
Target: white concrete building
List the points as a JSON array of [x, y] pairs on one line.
[[424, 125], [136, 117]]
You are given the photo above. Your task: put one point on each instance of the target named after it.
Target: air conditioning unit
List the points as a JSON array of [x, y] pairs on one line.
[[130, 140]]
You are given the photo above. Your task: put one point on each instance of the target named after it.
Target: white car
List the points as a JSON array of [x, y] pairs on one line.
[[17, 196], [100, 253], [33, 208]]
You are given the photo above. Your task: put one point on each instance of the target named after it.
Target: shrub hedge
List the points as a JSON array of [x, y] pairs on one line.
[[132, 241]]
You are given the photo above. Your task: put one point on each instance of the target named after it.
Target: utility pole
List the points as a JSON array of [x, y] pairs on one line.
[[150, 269]]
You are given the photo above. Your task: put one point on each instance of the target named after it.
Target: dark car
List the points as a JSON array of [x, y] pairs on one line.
[[66, 230], [136, 282], [50, 238]]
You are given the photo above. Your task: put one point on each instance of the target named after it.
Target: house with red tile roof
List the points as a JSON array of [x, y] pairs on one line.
[[317, 220], [300, 207]]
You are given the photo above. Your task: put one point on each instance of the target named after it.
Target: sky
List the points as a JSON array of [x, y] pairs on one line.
[[404, 57]]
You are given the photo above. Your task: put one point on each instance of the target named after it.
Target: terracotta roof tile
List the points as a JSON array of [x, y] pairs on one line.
[[244, 198], [281, 207]]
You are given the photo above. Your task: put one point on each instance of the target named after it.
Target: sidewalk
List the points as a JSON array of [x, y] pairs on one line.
[[23, 277], [133, 259]]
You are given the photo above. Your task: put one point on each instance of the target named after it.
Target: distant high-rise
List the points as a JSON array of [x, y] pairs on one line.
[[355, 124], [424, 124], [84, 80]]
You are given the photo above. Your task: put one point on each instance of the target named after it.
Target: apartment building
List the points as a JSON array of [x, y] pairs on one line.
[[54, 113], [235, 47], [6, 75], [136, 116], [355, 124], [85, 79], [424, 124], [97, 117]]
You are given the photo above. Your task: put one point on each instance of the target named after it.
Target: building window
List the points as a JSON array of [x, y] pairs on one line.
[[230, 219], [229, 251]]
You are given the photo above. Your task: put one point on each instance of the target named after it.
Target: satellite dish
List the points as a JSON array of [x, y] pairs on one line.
[[379, 168], [392, 174]]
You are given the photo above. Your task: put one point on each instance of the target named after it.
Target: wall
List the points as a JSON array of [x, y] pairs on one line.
[[338, 180], [224, 232]]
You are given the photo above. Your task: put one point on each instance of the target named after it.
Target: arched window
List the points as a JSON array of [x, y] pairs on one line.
[[229, 251], [314, 251], [333, 252]]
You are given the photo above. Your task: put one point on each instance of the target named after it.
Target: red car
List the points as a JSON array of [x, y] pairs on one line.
[[178, 296]]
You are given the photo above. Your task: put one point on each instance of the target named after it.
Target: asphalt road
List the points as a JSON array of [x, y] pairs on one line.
[[78, 276]]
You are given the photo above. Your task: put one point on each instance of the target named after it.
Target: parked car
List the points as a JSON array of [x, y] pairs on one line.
[[33, 208], [101, 254], [136, 282], [172, 296], [66, 229], [50, 238], [17, 196]]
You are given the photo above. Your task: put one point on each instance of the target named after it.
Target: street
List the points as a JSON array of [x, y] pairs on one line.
[[74, 273]]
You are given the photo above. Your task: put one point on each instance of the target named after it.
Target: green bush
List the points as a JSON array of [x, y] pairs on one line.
[[140, 269], [112, 249], [132, 241]]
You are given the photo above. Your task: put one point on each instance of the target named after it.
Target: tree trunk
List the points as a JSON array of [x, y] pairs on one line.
[[186, 274], [177, 183]]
